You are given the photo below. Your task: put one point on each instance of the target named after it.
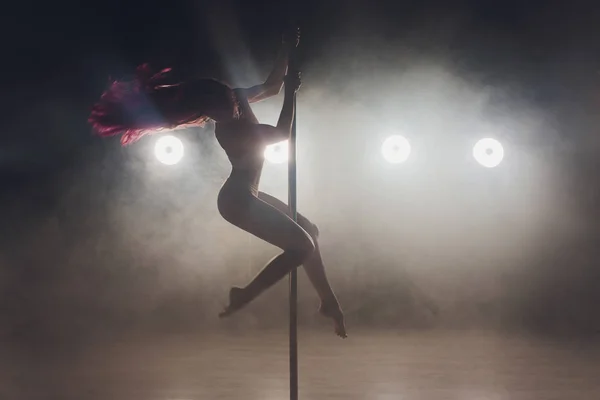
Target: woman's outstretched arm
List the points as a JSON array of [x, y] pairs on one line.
[[274, 134], [272, 86], [292, 84]]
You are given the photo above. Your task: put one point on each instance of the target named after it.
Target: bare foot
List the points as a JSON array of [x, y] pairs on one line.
[[334, 312], [237, 301]]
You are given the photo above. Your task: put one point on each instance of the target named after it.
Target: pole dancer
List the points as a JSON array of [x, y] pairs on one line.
[[150, 103]]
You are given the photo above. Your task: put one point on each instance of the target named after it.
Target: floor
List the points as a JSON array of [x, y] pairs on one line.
[[368, 365]]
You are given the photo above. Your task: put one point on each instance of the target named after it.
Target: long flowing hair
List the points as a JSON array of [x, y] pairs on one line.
[[150, 103]]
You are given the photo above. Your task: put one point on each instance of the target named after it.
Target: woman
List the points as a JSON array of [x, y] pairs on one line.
[[148, 104]]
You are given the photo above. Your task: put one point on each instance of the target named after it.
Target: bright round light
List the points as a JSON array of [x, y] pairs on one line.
[[488, 152], [168, 150], [395, 149], [277, 153]]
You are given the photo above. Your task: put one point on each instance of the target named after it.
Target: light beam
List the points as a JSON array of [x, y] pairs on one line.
[[168, 150], [395, 149], [488, 152], [277, 153]]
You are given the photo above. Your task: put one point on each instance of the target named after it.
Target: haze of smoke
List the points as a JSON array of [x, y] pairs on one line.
[[133, 245]]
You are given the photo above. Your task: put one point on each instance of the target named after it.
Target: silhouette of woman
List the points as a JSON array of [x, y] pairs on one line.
[[149, 103]]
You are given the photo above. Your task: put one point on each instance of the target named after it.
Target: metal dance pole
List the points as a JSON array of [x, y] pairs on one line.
[[294, 274]]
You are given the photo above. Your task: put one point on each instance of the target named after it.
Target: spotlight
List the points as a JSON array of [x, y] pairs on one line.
[[395, 149], [277, 153], [488, 152], [168, 150]]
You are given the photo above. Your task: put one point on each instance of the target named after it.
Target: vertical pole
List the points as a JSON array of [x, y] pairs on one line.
[[294, 274]]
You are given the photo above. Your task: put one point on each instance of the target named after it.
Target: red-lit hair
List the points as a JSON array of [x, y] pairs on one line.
[[148, 103]]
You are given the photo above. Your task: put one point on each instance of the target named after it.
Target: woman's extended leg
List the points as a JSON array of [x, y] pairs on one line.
[[266, 222], [315, 270]]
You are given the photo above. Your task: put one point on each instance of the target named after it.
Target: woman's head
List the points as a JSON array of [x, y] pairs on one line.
[[148, 104]]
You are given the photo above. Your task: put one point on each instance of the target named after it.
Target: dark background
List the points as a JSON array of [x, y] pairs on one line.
[[98, 239]]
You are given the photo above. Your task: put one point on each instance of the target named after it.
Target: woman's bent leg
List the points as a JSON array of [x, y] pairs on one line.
[[314, 267], [271, 225]]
